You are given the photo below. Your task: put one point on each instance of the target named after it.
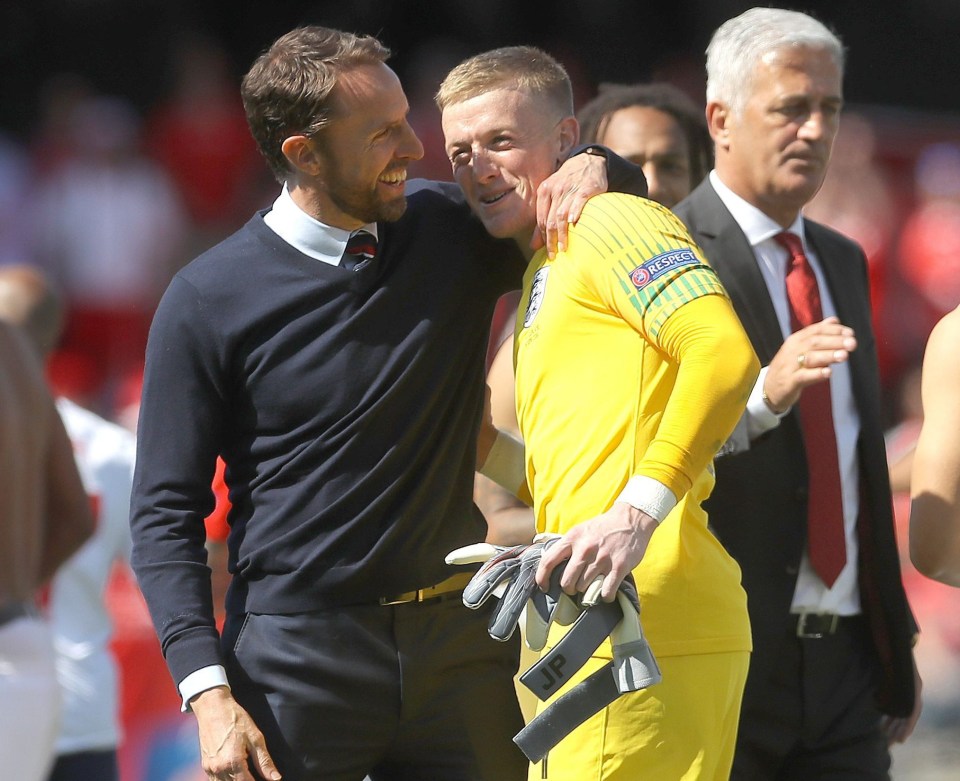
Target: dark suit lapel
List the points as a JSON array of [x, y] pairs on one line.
[[848, 289]]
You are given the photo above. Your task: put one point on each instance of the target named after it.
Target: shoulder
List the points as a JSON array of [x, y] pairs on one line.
[[614, 222], [827, 239], [626, 215], [250, 243], [702, 200], [944, 340]]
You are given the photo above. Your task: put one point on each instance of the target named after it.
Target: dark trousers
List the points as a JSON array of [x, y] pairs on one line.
[[814, 715], [404, 692], [86, 766]]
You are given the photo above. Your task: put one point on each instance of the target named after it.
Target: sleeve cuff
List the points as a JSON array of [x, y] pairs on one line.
[[199, 681], [649, 496], [760, 418]]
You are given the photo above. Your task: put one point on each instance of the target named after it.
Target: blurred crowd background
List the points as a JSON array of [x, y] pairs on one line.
[[124, 153]]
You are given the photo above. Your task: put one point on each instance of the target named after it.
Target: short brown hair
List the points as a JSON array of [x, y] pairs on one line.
[[287, 89], [524, 67]]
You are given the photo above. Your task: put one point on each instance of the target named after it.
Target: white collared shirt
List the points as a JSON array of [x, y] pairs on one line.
[[811, 594], [310, 236]]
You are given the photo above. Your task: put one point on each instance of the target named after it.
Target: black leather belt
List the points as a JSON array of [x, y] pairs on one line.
[[816, 625], [450, 587], [14, 610]]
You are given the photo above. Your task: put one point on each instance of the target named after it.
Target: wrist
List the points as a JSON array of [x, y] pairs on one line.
[[649, 496], [770, 405], [210, 698]]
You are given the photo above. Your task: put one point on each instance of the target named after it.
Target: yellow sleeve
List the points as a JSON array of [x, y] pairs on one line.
[[717, 370], [647, 269]]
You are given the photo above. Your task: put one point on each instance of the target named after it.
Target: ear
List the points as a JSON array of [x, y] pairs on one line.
[[303, 155], [719, 120], [568, 135]]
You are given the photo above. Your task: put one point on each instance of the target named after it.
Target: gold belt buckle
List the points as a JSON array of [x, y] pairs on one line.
[[453, 583]]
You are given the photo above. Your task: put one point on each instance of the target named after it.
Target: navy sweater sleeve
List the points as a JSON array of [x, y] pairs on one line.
[[183, 393]]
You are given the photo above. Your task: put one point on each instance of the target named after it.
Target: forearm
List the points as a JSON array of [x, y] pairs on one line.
[[935, 481], [717, 369], [509, 521], [179, 438], [935, 505]]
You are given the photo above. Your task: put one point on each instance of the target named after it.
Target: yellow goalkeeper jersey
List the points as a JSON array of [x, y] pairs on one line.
[[631, 361]]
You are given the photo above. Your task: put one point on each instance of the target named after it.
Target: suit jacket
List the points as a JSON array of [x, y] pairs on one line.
[[758, 508]]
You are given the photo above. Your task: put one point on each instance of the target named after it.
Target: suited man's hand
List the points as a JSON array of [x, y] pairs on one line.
[[805, 359], [899, 729]]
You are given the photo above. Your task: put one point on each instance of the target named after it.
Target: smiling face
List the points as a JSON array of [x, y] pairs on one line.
[[364, 152], [655, 141], [502, 145], [775, 153]]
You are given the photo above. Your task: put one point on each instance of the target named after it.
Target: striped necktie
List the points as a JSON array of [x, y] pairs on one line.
[[361, 247]]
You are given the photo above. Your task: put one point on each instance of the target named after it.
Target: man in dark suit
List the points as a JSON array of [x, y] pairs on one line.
[[802, 498]]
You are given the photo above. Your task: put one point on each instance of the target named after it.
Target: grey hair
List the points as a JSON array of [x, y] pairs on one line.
[[740, 43]]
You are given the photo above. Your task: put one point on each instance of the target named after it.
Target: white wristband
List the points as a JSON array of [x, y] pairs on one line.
[[505, 463], [649, 496]]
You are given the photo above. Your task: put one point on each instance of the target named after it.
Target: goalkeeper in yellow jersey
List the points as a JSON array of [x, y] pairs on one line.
[[632, 370]]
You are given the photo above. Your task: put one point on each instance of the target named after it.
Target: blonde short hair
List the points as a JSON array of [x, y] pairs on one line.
[[521, 67]]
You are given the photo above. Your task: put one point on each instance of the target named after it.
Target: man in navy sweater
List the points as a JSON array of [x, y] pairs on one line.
[[344, 392]]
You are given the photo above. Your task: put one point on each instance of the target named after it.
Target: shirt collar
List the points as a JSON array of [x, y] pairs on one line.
[[756, 225], [310, 236]]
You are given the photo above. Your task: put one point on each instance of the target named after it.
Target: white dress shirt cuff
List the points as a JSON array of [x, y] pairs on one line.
[[649, 496], [760, 418], [199, 681]]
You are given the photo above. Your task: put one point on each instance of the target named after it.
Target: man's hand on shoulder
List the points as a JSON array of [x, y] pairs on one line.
[[562, 196], [229, 738], [609, 545]]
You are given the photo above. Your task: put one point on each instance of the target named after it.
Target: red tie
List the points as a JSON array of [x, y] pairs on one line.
[[825, 536]]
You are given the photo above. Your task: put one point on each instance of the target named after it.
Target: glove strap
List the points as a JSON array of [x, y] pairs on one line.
[[555, 667], [568, 712]]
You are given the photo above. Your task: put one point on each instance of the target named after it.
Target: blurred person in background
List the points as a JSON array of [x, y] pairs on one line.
[[655, 126], [44, 518], [89, 732], [15, 179], [929, 245], [198, 134], [857, 199], [108, 227]]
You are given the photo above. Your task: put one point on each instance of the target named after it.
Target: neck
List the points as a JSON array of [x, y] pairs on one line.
[[312, 202]]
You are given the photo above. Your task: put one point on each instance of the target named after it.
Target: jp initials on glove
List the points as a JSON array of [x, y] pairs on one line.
[[509, 573]]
